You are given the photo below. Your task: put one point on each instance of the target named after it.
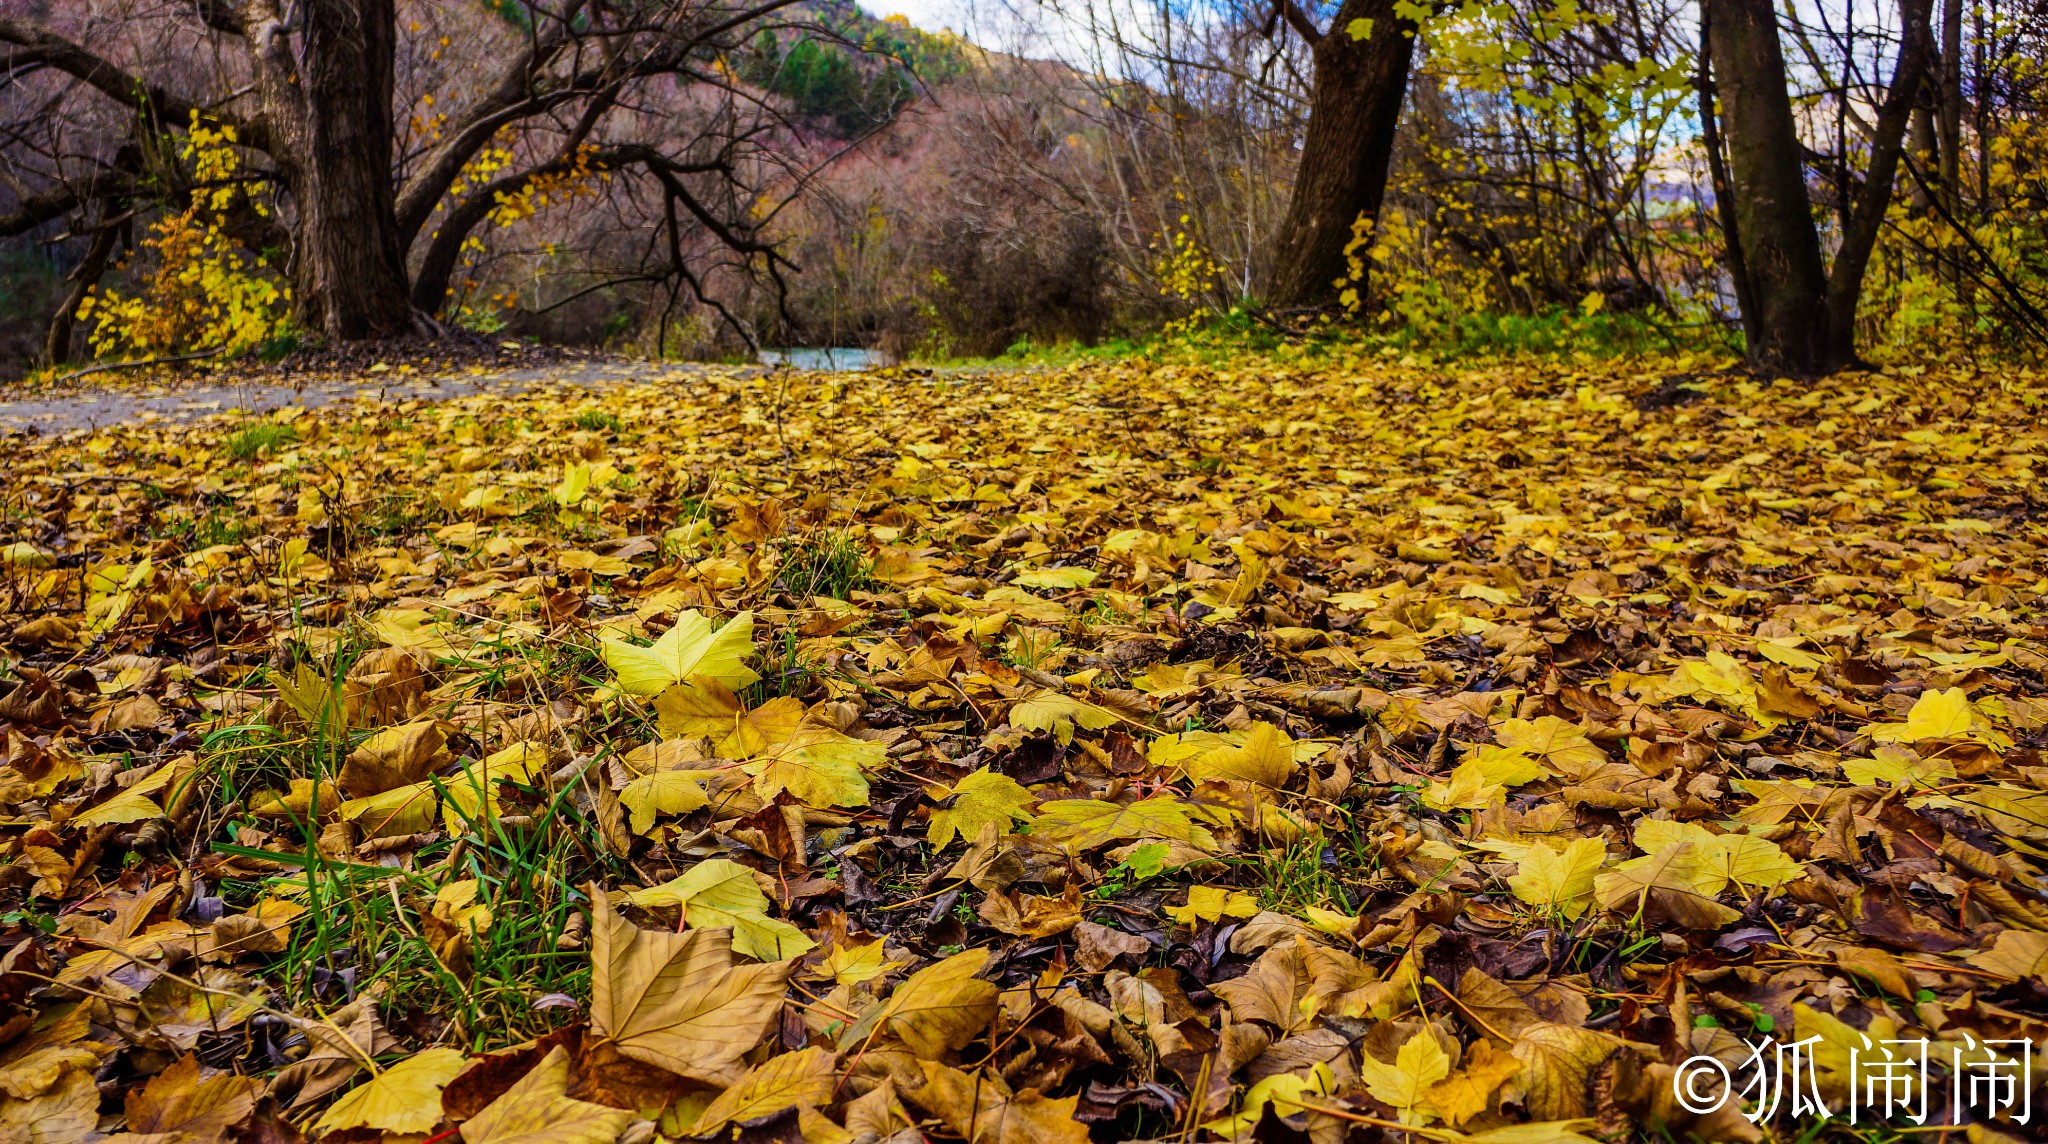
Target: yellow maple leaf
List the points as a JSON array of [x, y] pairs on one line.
[[983, 797], [1266, 758], [1673, 881], [1085, 823], [1563, 745], [1404, 1085], [1743, 859], [1282, 1092], [694, 646], [538, 1108], [721, 892], [1467, 789], [1213, 904], [663, 792], [1562, 881], [1059, 713], [1935, 715], [406, 1097]]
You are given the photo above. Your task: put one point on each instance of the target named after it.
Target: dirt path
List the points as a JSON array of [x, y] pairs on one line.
[[190, 401]]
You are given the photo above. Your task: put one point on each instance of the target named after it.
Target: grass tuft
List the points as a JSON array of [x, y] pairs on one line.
[[259, 440]]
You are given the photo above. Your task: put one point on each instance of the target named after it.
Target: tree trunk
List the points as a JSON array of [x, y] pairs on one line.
[[57, 344], [1951, 71], [1354, 108], [1717, 177], [330, 107], [1920, 137], [1805, 313], [1887, 143], [1767, 182]]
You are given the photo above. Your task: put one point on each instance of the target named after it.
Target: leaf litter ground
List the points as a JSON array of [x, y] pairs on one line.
[[1283, 749]]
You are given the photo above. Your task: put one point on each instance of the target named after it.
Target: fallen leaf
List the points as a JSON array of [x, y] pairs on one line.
[[679, 1001], [1561, 881], [982, 797], [802, 1079], [405, 1097], [1405, 1084], [538, 1110], [693, 646]]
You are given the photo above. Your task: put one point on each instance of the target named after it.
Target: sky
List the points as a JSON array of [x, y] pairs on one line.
[[1030, 28], [930, 15]]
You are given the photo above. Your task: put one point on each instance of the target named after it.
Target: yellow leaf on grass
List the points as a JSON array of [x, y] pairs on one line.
[[1508, 766], [1743, 859], [937, 1009], [22, 554], [1558, 1065], [1213, 904], [394, 757], [679, 1001], [1404, 1085], [1055, 578], [819, 766], [757, 731], [1467, 789], [1722, 678], [851, 965], [577, 560], [538, 1110], [980, 1109], [1332, 922], [788, 748], [1469, 1092], [406, 810], [405, 1097], [663, 792], [721, 892], [983, 797], [1563, 745], [412, 628], [695, 645], [1563, 881], [470, 796], [574, 483], [1897, 766], [698, 707]]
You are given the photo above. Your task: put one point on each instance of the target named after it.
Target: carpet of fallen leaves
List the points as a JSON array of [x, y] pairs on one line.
[[1316, 750]]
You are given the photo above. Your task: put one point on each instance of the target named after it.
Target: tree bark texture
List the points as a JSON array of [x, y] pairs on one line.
[[329, 108], [1354, 110]]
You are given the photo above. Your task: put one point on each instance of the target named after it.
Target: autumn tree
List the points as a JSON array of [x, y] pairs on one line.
[[371, 231], [1798, 312]]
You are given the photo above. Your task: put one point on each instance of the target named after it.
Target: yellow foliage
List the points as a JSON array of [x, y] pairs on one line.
[[206, 292]]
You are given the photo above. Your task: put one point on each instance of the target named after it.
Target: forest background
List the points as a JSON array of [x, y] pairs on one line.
[[735, 176]]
